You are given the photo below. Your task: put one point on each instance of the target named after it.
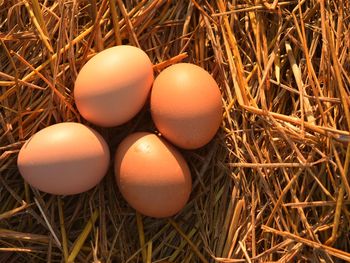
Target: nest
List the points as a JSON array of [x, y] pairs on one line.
[[272, 185]]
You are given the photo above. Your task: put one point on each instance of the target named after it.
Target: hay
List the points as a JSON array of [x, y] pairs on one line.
[[272, 185]]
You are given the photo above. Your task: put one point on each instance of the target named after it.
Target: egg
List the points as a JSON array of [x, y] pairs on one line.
[[152, 175], [112, 87], [186, 105], [64, 159]]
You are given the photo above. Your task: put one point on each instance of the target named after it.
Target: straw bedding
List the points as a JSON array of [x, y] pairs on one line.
[[273, 184]]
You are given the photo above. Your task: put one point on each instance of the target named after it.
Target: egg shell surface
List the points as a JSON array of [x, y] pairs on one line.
[[186, 105], [152, 175], [112, 87], [64, 159]]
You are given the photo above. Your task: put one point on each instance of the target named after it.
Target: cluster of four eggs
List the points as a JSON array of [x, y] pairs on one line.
[[111, 88]]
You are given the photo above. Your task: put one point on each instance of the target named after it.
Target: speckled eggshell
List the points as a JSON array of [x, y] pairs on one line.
[[64, 159], [186, 105], [112, 87], [152, 175]]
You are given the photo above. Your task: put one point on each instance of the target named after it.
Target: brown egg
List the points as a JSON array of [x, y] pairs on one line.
[[113, 86], [186, 105], [152, 175], [64, 159]]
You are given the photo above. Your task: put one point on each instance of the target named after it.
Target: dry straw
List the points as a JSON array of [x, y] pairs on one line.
[[272, 186]]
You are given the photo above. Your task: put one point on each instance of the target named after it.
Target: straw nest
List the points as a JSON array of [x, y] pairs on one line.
[[272, 185]]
